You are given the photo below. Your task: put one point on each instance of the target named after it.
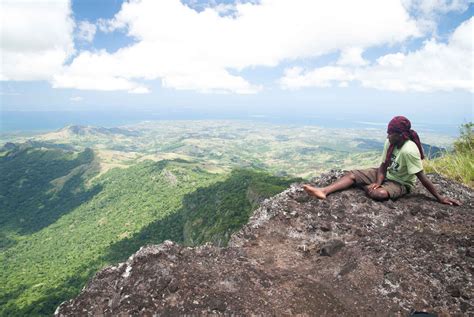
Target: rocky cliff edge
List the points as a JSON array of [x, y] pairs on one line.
[[345, 256]]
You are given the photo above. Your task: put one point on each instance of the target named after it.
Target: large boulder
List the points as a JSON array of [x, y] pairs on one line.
[[344, 256]]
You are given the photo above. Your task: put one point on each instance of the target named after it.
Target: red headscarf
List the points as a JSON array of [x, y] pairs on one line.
[[402, 125]]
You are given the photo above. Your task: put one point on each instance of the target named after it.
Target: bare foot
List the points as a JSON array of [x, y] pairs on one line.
[[313, 191]]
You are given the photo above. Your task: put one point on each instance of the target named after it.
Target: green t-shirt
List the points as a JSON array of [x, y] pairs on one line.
[[406, 162]]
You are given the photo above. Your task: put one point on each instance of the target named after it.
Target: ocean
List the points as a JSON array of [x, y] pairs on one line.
[[43, 121]]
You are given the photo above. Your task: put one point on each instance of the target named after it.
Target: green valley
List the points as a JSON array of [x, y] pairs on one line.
[[60, 224]]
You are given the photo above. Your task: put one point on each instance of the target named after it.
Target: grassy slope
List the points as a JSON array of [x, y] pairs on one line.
[[48, 261], [458, 164]]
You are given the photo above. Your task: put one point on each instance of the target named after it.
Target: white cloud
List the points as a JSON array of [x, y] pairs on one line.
[[434, 67], [76, 98], [427, 12], [96, 71], [320, 77], [205, 51], [36, 38], [139, 90], [86, 31], [107, 26], [431, 7], [352, 56]]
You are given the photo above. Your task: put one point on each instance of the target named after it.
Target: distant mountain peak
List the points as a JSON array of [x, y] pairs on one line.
[[81, 130], [347, 255]]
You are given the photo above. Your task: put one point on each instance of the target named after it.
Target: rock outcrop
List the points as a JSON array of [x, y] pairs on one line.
[[345, 256]]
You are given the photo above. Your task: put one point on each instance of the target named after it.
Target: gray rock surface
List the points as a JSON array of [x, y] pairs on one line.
[[345, 256]]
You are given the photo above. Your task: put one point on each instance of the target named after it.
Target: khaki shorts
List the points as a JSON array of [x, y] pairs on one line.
[[369, 176]]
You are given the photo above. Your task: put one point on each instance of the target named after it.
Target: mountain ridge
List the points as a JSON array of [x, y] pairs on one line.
[[347, 255], [81, 131]]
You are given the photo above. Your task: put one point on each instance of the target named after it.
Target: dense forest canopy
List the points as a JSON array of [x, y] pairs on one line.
[[60, 223]]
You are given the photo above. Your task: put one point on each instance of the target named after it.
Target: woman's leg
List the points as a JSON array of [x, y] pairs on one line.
[[377, 194], [344, 182]]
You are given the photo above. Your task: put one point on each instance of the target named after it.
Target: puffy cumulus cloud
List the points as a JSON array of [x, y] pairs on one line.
[[427, 12], [430, 7], [36, 38], [205, 50], [86, 31], [98, 71], [83, 68], [434, 67], [352, 56], [327, 76]]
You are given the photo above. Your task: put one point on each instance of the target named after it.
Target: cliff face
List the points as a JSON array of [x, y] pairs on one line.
[[347, 255]]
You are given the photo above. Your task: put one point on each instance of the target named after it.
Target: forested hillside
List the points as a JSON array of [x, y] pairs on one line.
[[39, 185], [60, 223]]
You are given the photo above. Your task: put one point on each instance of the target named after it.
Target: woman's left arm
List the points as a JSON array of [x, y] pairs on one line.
[[430, 187]]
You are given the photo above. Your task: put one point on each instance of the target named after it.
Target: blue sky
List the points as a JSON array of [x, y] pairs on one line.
[[391, 57]]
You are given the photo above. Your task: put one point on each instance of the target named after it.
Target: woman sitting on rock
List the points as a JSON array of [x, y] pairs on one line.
[[396, 176]]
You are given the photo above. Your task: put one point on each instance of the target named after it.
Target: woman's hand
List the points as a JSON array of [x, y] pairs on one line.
[[449, 201], [373, 186], [429, 185]]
